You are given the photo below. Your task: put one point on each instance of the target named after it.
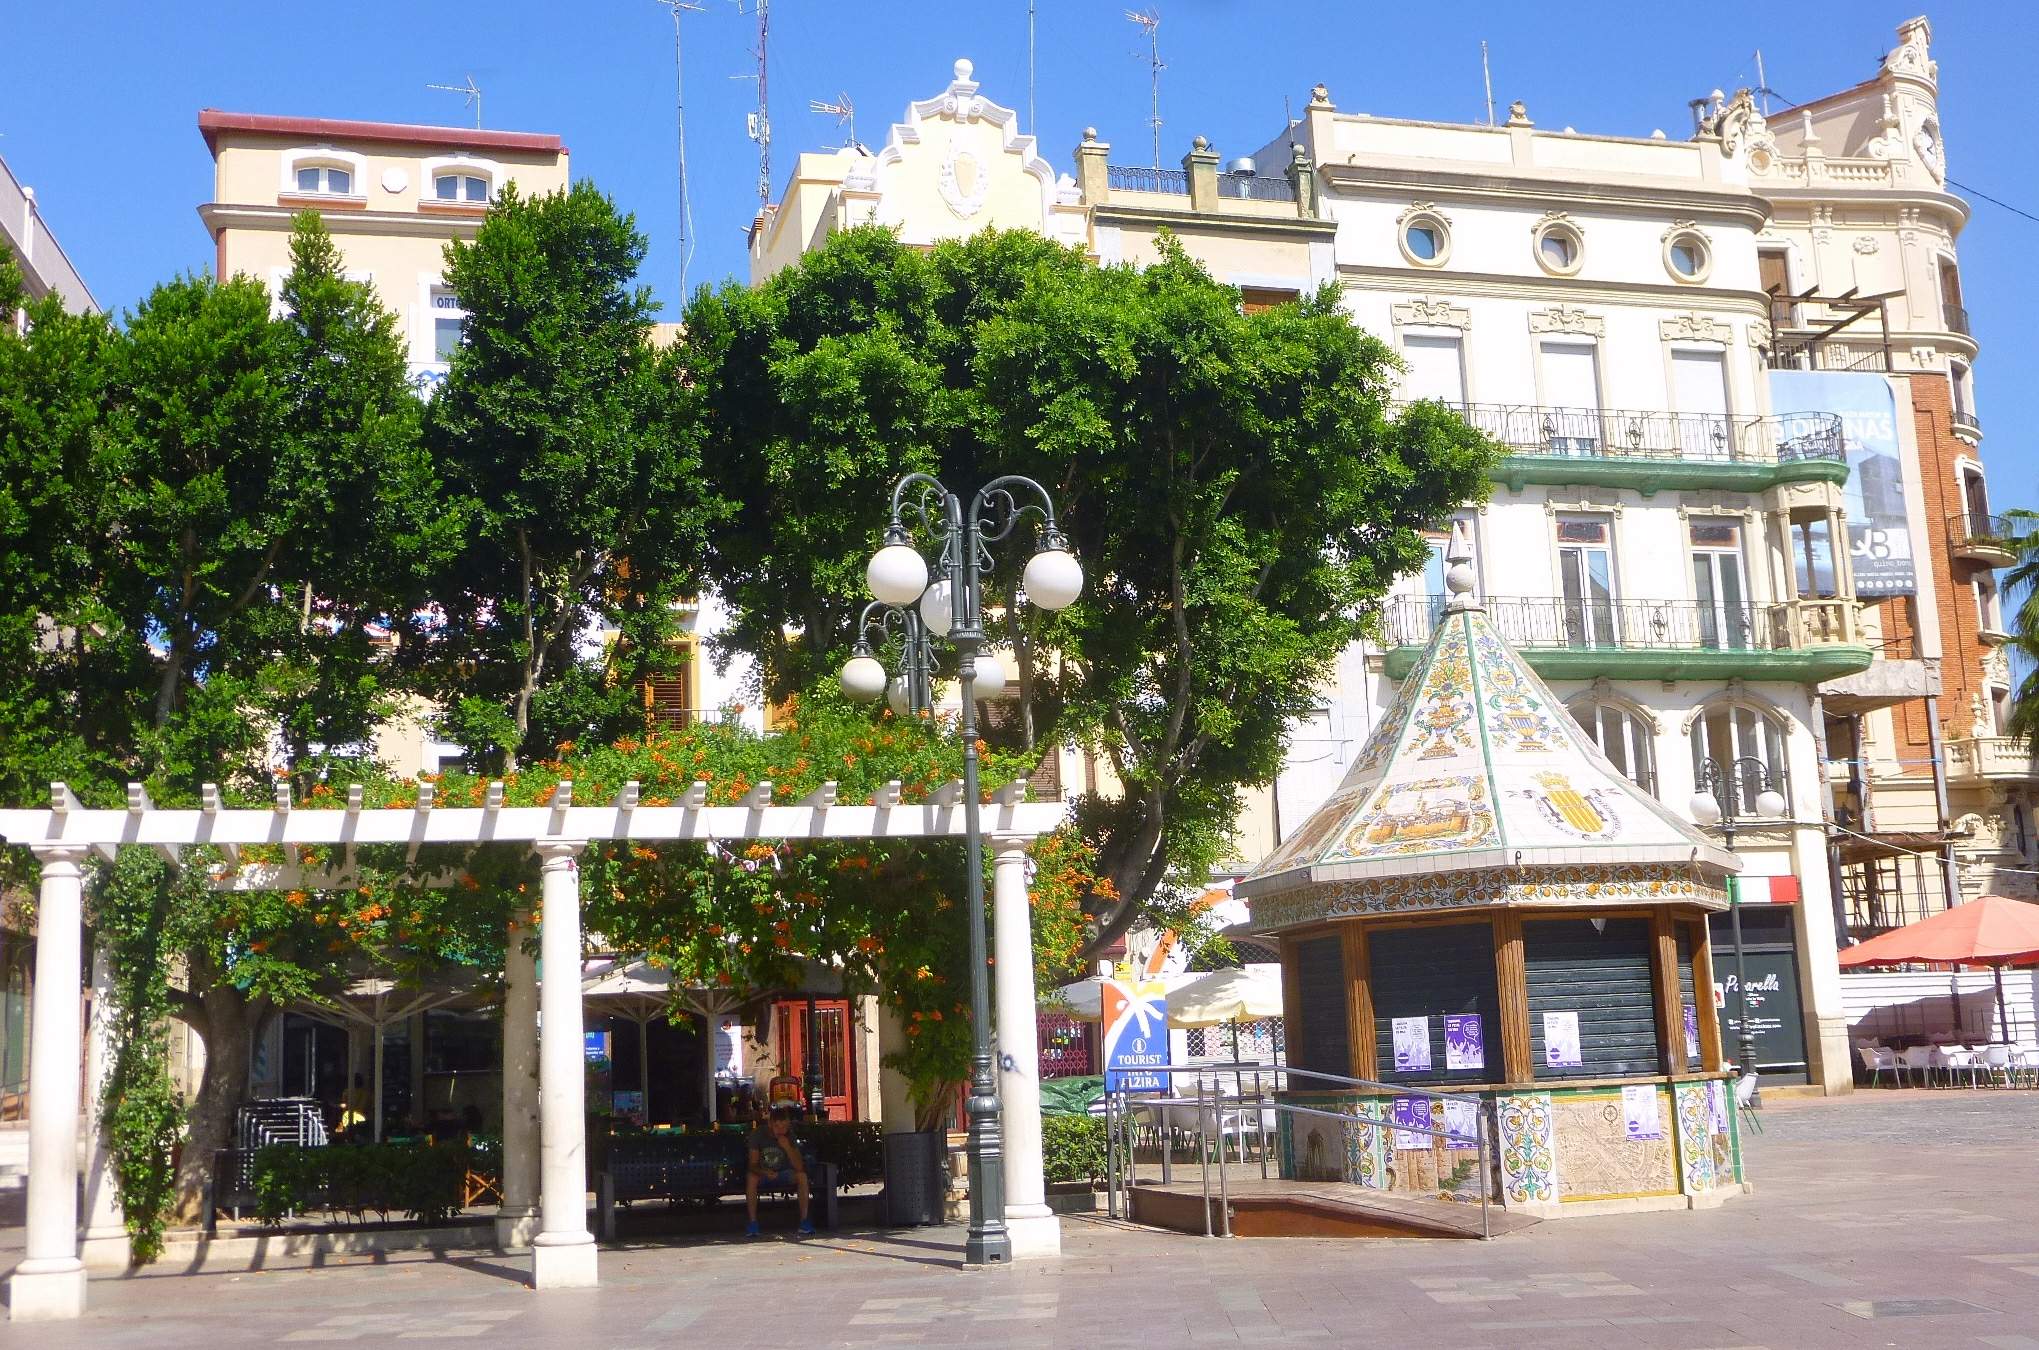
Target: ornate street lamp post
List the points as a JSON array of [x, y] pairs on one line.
[[1718, 803], [953, 608]]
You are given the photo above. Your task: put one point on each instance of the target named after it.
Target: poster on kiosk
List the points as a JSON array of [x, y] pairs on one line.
[[1135, 1035]]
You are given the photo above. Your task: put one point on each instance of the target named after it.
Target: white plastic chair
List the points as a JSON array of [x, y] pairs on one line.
[[1877, 1059], [1996, 1059], [1960, 1059], [2026, 1057], [1920, 1059]]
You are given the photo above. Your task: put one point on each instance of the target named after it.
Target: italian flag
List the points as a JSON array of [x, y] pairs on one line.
[[1764, 890]]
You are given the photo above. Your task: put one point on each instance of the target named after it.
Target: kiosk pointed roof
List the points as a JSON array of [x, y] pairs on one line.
[[1477, 766]]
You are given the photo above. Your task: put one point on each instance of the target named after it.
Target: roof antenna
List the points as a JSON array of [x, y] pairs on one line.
[[758, 125], [676, 8], [843, 111], [1033, 126], [1487, 74], [471, 90], [1762, 84], [1150, 21]]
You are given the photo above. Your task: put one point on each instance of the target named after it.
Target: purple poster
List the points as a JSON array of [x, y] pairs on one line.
[[1410, 1116], [1691, 1032], [1464, 1042], [1412, 1044]]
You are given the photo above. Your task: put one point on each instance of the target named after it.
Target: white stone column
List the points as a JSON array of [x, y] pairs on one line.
[[517, 1216], [49, 1284], [563, 1252], [1034, 1228], [103, 1244]]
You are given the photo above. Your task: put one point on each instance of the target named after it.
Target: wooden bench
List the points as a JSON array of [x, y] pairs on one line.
[[698, 1167]]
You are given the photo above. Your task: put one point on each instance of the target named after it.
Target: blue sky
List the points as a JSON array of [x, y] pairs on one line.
[[98, 110]]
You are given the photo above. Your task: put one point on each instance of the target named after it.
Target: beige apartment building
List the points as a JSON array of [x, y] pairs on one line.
[[393, 195]]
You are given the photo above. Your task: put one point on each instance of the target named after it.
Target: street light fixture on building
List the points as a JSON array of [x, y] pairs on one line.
[[1717, 803]]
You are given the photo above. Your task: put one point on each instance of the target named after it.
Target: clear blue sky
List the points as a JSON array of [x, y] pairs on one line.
[[99, 105]]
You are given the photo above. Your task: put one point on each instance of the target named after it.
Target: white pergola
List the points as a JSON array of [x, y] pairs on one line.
[[544, 1172]]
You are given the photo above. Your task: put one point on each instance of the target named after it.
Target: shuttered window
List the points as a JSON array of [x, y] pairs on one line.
[[669, 698], [1603, 977], [1325, 1042], [1434, 973]]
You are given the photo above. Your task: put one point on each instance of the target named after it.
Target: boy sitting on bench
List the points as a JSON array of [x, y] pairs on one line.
[[775, 1157]]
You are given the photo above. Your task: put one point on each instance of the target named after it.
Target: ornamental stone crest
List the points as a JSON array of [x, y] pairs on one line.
[[1563, 319], [1913, 53], [1696, 328], [963, 183], [1433, 314]]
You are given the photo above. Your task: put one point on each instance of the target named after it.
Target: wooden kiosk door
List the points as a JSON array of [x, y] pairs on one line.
[[833, 1032]]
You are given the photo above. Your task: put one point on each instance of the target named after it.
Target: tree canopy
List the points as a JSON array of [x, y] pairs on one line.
[[1236, 485]]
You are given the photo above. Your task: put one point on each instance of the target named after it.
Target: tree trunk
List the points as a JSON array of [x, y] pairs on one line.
[[229, 1019]]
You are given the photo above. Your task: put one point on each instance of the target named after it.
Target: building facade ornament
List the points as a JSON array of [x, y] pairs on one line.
[[1742, 129], [1566, 319], [963, 183], [1865, 243], [1913, 54], [1696, 328], [1433, 314]]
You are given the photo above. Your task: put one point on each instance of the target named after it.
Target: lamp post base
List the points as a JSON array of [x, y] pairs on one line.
[[50, 1290], [987, 1249]]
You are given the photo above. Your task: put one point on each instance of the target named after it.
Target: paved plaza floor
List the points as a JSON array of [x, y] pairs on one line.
[[1884, 1219]]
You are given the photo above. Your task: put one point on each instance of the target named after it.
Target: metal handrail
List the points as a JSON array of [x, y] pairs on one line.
[[1980, 527], [1603, 433], [1139, 178], [1211, 1103], [1255, 187]]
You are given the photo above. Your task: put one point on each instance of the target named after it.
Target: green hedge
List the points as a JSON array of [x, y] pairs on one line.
[[856, 1147], [422, 1182], [1072, 1148]]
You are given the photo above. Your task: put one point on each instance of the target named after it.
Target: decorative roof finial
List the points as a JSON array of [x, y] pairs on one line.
[[1458, 573]]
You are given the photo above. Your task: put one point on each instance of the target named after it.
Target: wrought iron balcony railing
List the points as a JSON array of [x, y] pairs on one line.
[[1596, 433], [1977, 533], [1545, 623], [1957, 319], [1133, 178], [1256, 187], [1966, 423]]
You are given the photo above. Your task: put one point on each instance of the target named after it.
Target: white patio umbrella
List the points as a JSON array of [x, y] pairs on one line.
[[1240, 994], [1085, 998]]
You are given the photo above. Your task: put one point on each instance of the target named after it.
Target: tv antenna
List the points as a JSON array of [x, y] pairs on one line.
[[1150, 23], [676, 8], [1032, 125], [758, 125], [842, 110], [471, 90], [1487, 76]]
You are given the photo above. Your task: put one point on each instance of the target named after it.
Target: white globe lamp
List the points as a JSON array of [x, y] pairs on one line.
[[1770, 802], [1053, 578], [1705, 809], [896, 697], [990, 678], [863, 678], [935, 609], [897, 574]]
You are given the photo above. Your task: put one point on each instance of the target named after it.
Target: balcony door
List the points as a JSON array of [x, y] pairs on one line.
[[1571, 391], [1586, 580], [1718, 585], [1437, 367], [1699, 382]]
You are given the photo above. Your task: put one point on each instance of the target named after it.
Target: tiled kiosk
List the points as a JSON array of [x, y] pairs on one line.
[[1487, 906]]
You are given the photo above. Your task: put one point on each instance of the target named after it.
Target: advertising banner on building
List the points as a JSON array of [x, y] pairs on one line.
[[1879, 527], [1135, 1016]]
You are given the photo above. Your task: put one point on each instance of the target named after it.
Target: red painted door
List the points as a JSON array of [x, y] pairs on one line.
[[833, 1036]]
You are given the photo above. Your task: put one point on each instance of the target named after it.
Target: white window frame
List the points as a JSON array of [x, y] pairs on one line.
[[322, 157], [1767, 718], [433, 169], [1639, 724]]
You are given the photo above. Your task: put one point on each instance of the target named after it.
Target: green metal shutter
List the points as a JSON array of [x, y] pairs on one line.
[[1325, 1044], [1430, 972], [1604, 977]]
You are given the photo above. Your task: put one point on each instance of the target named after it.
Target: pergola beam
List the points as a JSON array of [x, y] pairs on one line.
[[169, 830]]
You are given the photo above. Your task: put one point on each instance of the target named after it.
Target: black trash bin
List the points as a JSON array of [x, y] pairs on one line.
[[916, 1183]]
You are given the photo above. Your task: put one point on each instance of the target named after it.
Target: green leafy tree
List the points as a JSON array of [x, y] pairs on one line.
[[1236, 487], [559, 428]]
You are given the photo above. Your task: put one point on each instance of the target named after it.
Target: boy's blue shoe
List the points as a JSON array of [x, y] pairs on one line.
[[751, 1229], [806, 1228]]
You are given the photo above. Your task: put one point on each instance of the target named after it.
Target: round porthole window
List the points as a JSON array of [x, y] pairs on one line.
[[1426, 239], [1559, 249], [1687, 256]]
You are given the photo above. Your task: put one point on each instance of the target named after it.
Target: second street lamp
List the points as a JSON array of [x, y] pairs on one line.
[[953, 607], [1718, 802]]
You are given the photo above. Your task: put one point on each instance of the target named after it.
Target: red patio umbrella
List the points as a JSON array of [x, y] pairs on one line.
[[1994, 931]]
